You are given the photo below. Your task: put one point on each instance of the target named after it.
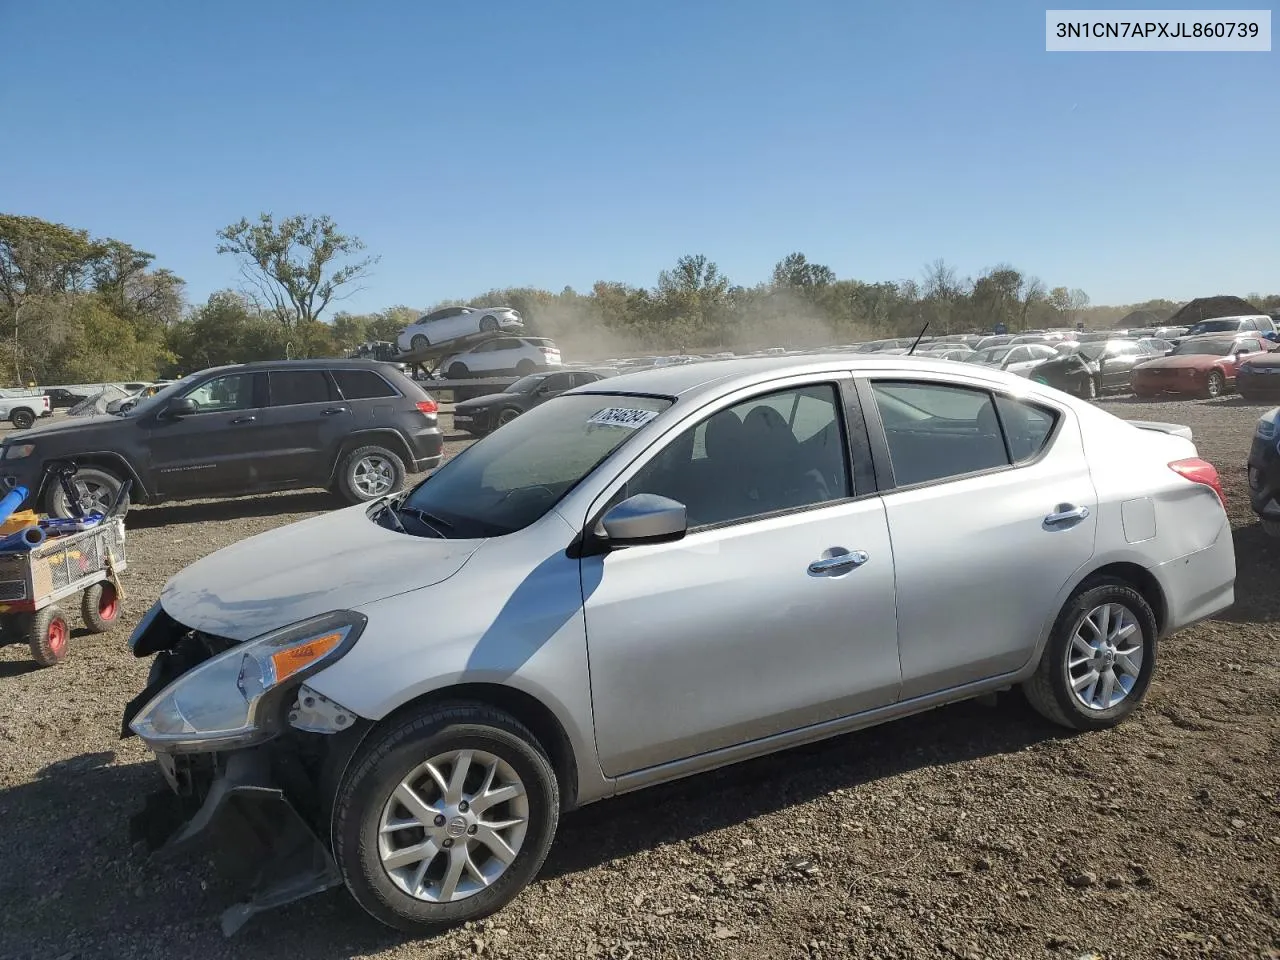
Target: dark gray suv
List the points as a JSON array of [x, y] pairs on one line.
[[353, 426]]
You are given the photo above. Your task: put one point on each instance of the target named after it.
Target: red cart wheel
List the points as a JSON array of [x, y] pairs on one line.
[[100, 607], [48, 635]]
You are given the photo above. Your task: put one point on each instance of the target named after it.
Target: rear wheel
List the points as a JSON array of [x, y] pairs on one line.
[[1215, 384], [457, 371], [445, 817], [22, 418], [100, 607], [368, 473], [419, 342], [526, 367], [48, 634], [488, 324], [1098, 662], [96, 489]]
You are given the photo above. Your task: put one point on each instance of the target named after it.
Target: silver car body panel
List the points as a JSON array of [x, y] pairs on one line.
[[664, 660]]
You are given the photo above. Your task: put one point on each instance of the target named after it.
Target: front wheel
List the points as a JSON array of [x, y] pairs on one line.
[[446, 816], [95, 489], [22, 418], [526, 367], [419, 342], [1098, 663], [1215, 385], [369, 473], [457, 371], [488, 324]]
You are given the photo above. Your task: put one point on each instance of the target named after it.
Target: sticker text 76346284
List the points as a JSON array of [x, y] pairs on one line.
[[623, 417]]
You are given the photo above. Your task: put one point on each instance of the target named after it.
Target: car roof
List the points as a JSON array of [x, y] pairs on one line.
[[718, 376]]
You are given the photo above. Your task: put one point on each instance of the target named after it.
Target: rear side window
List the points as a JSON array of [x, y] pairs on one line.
[[362, 385], [937, 431], [292, 387]]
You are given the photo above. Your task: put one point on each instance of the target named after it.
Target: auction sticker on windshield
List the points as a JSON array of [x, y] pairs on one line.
[[623, 417]]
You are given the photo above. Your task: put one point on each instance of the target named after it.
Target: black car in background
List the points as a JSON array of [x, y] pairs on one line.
[[1264, 471], [1096, 367], [60, 397], [1259, 377], [485, 414], [353, 426]]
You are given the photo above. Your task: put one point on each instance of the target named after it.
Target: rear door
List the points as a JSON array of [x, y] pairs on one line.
[[306, 419], [1118, 364], [991, 511], [211, 452]]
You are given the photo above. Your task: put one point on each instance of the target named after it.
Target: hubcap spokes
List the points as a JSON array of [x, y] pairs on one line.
[[1104, 658], [453, 826], [373, 476]]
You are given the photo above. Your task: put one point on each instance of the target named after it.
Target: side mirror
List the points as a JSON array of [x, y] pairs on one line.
[[645, 518], [181, 407]]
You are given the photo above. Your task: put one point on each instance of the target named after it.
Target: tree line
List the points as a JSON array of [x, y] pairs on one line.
[[80, 309]]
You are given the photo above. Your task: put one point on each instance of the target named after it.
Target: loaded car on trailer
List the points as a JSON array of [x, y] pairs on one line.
[[354, 426]]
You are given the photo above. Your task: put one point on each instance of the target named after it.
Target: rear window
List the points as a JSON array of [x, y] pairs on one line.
[[290, 387], [362, 385]]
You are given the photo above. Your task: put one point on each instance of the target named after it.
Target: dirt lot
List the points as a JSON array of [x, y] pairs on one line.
[[969, 832]]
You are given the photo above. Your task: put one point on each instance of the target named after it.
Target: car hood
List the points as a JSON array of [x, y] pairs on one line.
[[71, 425], [1189, 361], [336, 561], [480, 403]]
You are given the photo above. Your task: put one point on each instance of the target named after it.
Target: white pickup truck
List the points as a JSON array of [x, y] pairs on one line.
[[22, 409]]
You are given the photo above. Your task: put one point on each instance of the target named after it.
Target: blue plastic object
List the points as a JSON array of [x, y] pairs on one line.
[[11, 502], [25, 539]]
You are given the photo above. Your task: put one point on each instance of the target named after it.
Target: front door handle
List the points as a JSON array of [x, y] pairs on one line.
[[854, 558], [1065, 513], [244, 419]]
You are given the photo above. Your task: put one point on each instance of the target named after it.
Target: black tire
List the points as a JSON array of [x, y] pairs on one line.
[[100, 607], [358, 469], [507, 414], [488, 324], [48, 635], [388, 756], [1215, 385], [102, 484], [1048, 689], [22, 418], [457, 371], [419, 342], [526, 367]]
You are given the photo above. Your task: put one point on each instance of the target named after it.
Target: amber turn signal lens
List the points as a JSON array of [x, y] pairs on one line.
[[289, 661]]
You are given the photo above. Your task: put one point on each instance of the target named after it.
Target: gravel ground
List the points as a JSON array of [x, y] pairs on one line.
[[972, 831]]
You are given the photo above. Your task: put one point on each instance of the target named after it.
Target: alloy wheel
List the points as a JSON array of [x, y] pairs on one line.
[[453, 826], [1104, 657], [372, 476]]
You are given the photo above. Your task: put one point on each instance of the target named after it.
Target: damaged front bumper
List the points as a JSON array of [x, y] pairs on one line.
[[259, 810], [245, 820]]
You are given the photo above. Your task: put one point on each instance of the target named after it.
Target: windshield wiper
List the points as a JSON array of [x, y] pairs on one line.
[[387, 510], [428, 520]]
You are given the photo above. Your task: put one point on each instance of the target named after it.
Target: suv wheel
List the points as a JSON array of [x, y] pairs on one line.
[[22, 418], [526, 367], [96, 490], [369, 473], [446, 815], [1098, 662]]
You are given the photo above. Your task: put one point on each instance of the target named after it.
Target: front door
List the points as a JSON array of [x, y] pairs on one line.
[[304, 423], [209, 452], [741, 630], [993, 513]]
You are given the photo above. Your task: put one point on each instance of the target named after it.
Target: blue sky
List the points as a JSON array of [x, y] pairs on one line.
[[557, 143]]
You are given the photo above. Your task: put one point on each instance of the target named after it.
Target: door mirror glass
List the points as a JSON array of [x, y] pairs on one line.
[[645, 518], [181, 407]]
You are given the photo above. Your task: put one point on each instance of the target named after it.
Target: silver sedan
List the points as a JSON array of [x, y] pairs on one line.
[[652, 576]]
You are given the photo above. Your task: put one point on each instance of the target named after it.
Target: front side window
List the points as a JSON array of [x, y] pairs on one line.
[[232, 392], [782, 451], [936, 431], [512, 477]]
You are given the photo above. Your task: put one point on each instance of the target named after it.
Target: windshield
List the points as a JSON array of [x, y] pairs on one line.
[[1214, 326], [151, 404], [991, 355], [526, 384], [1208, 348], [512, 477]]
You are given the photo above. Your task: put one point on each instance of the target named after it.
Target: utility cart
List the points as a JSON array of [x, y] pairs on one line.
[[38, 582]]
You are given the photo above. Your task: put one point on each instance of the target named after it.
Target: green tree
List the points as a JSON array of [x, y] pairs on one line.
[[295, 266]]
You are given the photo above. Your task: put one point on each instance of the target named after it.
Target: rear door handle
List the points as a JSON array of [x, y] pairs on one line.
[[1065, 513], [854, 558], [244, 419], [332, 410]]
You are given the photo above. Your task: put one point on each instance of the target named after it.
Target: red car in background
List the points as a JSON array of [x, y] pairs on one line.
[[1203, 366]]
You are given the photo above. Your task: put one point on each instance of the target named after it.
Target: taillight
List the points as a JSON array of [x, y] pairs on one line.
[[548, 350], [1200, 471], [429, 407]]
